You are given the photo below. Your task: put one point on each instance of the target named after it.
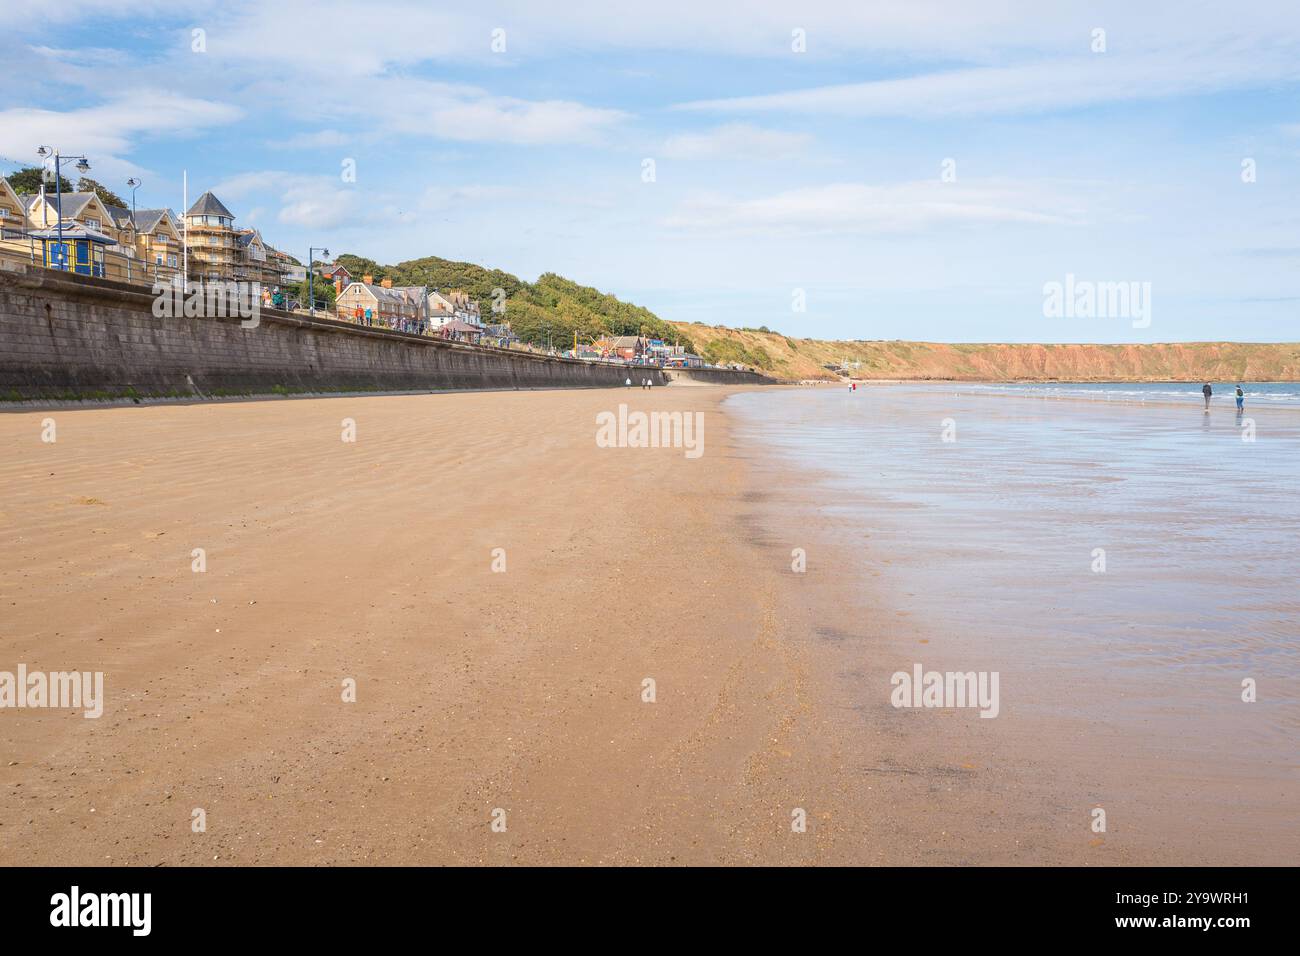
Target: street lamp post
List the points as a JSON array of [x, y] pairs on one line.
[[83, 166], [135, 226], [311, 274]]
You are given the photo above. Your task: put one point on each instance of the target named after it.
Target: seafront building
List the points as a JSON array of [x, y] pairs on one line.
[[98, 239], [220, 251], [47, 211], [13, 212], [290, 270], [143, 246], [629, 348], [210, 239], [451, 315], [454, 315], [365, 303], [140, 246], [155, 234], [447, 307], [337, 274]]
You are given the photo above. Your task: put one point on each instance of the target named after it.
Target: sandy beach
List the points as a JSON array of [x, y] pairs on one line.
[[477, 690]]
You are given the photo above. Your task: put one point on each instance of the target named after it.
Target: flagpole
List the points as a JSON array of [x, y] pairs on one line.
[[185, 228]]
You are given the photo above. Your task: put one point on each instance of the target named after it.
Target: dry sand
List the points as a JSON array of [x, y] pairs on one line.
[[372, 560], [476, 690]]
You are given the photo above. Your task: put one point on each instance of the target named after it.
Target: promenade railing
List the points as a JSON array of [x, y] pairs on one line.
[[18, 249]]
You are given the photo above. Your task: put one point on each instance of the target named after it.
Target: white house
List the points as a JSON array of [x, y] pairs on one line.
[[444, 307]]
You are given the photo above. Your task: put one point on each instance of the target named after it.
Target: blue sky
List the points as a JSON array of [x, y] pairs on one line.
[[778, 173]]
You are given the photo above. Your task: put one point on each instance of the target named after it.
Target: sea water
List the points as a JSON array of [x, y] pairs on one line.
[[1113, 542]]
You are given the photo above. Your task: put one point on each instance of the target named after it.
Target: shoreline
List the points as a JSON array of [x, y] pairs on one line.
[[1017, 790], [1223, 401]]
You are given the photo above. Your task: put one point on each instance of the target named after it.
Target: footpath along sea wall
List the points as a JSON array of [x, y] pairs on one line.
[[71, 337]]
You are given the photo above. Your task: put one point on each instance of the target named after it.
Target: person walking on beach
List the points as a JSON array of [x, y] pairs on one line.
[[1241, 398], [1207, 392], [629, 385]]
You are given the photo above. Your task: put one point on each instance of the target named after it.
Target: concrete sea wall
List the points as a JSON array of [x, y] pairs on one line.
[[714, 376], [64, 337]]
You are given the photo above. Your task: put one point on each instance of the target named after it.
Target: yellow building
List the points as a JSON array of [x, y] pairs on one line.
[[158, 237], [151, 235], [44, 212], [13, 211], [99, 240]]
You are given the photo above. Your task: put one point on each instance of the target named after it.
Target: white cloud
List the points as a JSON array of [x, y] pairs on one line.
[[332, 37], [322, 139], [411, 106], [447, 197], [313, 202], [1033, 87], [956, 30], [473, 116], [737, 141], [103, 133], [859, 208], [326, 202]]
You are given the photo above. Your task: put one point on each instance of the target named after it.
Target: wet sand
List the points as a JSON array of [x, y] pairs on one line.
[[1121, 686], [476, 690]]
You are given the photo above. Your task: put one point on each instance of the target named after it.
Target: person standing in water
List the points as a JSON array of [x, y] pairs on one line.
[[1207, 392], [1241, 398]]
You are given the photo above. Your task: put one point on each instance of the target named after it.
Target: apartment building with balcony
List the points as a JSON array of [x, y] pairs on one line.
[[151, 236], [211, 240], [158, 237], [257, 260], [289, 269]]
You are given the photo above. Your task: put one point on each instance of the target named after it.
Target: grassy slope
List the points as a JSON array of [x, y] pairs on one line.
[[805, 358], [553, 308]]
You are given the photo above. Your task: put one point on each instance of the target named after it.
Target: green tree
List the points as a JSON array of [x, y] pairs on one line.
[[447, 276], [552, 308], [106, 195], [29, 179], [322, 290], [359, 266]]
